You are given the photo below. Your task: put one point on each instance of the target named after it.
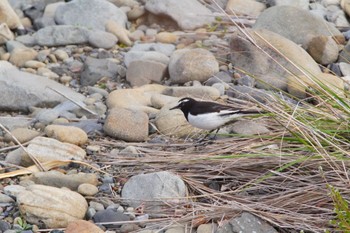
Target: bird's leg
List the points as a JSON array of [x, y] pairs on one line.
[[216, 133], [202, 139]]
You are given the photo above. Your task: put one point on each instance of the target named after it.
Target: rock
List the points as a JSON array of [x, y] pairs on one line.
[[13, 190], [221, 77], [166, 49], [95, 69], [136, 12], [207, 228], [14, 44], [166, 37], [176, 229], [22, 135], [119, 31], [69, 134], [61, 35], [96, 205], [173, 123], [129, 227], [48, 149], [246, 81], [87, 189], [120, 123], [137, 99], [5, 34], [34, 64], [5, 199], [8, 16], [245, 7], [5, 226], [48, 17], [344, 68], [43, 71], [59, 180], [200, 92], [302, 4], [102, 39], [246, 223], [249, 94], [110, 215], [145, 56], [91, 14], [203, 66], [298, 85], [21, 90], [61, 55], [154, 186], [141, 72], [345, 5], [249, 127], [344, 55], [19, 56], [188, 14], [54, 207], [81, 226], [14, 122], [295, 24], [136, 35], [159, 101], [266, 70], [15, 156], [323, 49]]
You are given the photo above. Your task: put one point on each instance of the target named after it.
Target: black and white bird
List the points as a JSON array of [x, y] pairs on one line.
[[209, 115]]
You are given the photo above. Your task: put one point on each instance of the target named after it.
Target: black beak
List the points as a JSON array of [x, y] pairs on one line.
[[176, 107]]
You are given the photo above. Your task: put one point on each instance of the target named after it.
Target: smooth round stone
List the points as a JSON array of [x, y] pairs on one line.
[[70, 134], [65, 79], [34, 64], [61, 54], [22, 135], [87, 189], [96, 205], [166, 37], [136, 12]]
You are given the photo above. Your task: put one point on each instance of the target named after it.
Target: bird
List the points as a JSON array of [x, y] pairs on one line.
[[210, 115]]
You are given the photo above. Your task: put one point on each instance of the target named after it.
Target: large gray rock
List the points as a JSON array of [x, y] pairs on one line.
[[61, 35], [246, 223], [189, 65], [92, 14], [21, 90], [294, 23], [94, 69], [152, 189], [271, 70], [189, 14]]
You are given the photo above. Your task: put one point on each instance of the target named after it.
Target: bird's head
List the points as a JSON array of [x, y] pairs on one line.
[[184, 103]]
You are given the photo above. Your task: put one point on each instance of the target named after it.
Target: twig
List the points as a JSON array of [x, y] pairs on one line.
[[31, 156]]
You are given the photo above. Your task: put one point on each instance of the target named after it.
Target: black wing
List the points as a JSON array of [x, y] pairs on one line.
[[207, 107]]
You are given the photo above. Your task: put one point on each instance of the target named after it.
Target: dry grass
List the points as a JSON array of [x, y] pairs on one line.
[[285, 187]]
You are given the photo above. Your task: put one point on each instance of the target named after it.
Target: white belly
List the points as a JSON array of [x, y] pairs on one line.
[[210, 121]]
